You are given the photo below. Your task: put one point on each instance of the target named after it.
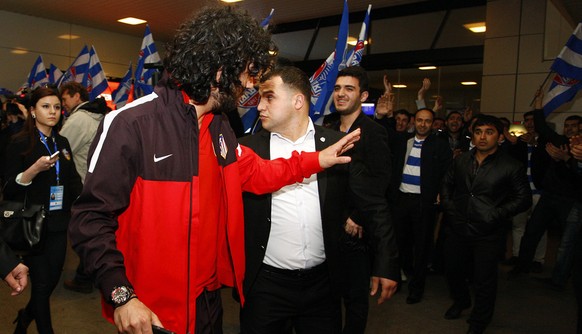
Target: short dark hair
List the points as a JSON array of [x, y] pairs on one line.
[[574, 118], [505, 121], [292, 77], [527, 114], [217, 38], [402, 112], [359, 73], [71, 88], [488, 120]]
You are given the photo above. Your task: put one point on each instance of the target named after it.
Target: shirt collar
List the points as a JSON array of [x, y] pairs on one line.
[[310, 133]]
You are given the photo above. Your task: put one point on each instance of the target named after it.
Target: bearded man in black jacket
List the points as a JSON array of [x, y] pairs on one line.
[[482, 191]]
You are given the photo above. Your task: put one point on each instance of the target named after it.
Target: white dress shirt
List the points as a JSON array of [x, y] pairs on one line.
[[296, 237]]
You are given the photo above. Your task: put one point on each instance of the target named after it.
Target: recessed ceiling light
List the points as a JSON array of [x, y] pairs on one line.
[[19, 51], [427, 68], [477, 27], [399, 86], [68, 36], [353, 41], [468, 83], [230, 1], [132, 20]]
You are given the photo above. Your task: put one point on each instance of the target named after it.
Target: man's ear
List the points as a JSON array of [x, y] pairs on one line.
[[298, 101], [218, 75], [364, 96]]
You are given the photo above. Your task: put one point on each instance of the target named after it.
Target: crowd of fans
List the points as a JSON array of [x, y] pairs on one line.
[[456, 184]]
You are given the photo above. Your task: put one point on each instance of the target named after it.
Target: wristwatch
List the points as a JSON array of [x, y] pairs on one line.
[[121, 295]]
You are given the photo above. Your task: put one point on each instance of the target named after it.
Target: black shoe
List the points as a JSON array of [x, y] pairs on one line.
[[74, 285], [413, 298], [22, 322], [454, 312], [537, 267]]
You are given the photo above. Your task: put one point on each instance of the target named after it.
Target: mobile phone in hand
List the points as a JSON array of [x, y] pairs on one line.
[[160, 330], [55, 154]]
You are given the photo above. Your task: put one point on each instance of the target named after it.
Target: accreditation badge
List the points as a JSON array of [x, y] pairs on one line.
[[56, 200]]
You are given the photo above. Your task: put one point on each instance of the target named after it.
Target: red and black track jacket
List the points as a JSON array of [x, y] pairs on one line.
[[136, 222]]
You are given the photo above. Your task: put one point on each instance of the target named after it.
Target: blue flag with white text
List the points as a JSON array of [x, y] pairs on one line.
[[323, 80], [568, 78], [147, 55], [355, 56]]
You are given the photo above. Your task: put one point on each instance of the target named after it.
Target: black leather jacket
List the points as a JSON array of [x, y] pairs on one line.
[[478, 201]]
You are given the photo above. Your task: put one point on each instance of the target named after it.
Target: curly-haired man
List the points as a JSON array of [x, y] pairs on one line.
[[160, 221]]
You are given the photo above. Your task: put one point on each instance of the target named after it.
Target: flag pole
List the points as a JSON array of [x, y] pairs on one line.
[[541, 86]]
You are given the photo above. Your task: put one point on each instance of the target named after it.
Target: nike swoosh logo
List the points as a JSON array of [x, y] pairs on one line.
[[158, 159]]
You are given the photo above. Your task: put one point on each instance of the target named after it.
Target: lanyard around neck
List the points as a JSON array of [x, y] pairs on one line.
[[44, 141]]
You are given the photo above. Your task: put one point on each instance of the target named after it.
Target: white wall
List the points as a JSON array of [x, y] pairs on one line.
[[39, 37]]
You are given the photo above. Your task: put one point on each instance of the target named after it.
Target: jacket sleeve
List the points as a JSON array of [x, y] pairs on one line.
[[448, 188], [104, 197], [545, 131], [8, 261], [520, 197], [369, 174], [260, 176]]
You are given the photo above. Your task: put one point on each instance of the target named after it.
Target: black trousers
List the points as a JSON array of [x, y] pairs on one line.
[[356, 289], [302, 299], [477, 258], [414, 227], [45, 270], [209, 313]]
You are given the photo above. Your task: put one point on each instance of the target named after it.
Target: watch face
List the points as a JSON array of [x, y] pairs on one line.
[[121, 294]]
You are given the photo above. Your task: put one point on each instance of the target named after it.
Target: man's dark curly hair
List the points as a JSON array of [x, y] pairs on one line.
[[217, 38]]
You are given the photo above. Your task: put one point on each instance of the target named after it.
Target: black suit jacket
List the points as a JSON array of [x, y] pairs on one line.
[[8, 261], [435, 158], [333, 185]]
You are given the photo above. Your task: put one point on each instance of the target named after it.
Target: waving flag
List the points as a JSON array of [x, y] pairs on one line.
[[147, 55], [356, 55], [96, 81], [121, 94], [568, 68], [37, 75], [79, 68], [248, 103], [55, 75], [323, 80]]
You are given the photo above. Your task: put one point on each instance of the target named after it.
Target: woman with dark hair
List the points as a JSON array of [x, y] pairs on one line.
[[40, 168]]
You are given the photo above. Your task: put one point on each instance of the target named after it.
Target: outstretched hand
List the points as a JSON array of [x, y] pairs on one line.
[[332, 155]]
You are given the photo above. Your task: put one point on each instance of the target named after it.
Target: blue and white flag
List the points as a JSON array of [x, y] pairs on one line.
[[355, 56], [121, 94], [96, 81], [147, 55], [568, 78], [37, 76], [79, 68], [55, 75], [323, 80], [249, 101]]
